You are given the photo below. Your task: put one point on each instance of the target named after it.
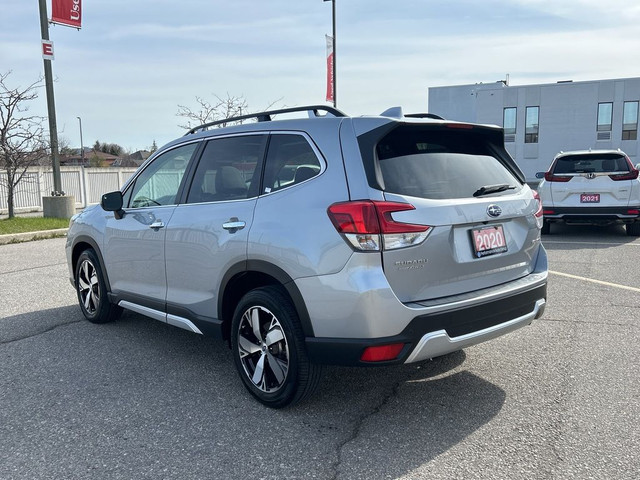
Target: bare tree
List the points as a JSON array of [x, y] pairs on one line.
[[219, 109], [207, 111], [22, 142]]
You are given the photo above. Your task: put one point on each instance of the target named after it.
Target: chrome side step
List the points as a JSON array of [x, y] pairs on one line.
[[160, 316]]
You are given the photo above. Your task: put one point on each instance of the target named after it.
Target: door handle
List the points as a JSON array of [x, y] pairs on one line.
[[157, 224], [233, 225]]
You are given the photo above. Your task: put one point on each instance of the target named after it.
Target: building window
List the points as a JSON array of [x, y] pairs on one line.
[[509, 121], [605, 114], [531, 125], [630, 121]]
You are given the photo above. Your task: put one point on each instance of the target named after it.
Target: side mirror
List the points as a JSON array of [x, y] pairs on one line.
[[637, 166], [112, 202], [540, 174]]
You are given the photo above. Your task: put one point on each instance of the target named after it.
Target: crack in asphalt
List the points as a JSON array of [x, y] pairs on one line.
[[359, 423], [32, 268], [36, 334]]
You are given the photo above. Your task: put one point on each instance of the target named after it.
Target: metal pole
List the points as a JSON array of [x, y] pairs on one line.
[[51, 106], [335, 56], [81, 144]]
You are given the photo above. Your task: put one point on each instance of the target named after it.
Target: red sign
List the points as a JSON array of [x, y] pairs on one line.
[[330, 87], [47, 49], [67, 12]]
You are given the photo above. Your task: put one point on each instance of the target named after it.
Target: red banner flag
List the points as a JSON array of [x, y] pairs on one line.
[[330, 88], [67, 12]]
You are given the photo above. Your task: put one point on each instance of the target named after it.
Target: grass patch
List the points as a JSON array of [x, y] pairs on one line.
[[31, 224]]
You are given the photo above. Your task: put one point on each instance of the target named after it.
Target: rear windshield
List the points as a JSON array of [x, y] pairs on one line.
[[441, 164], [591, 163]]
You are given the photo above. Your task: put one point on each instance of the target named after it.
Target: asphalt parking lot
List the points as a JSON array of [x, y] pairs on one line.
[[139, 399]]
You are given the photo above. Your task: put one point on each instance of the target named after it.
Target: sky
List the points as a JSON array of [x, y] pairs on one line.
[[134, 61]]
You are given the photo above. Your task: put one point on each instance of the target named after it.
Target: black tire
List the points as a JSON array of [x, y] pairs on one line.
[[92, 290], [546, 228], [633, 229], [269, 351]]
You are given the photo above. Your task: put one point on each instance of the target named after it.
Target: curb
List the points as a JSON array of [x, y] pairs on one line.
[[29, 236]]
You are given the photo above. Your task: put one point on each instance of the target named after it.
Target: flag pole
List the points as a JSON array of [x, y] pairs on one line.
[[51, 105], [333, 73]]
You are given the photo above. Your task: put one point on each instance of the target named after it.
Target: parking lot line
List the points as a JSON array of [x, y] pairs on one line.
[[560, 242], [599, 282]]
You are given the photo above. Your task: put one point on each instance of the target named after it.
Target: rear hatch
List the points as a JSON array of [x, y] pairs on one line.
[[591, 179], [463, 185]]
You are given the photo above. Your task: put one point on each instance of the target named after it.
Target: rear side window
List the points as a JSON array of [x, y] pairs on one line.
[[438, 164], [290, 161], [591, 163]]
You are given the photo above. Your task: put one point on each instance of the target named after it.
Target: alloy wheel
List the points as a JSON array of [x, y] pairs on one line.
[[88, 287], [263, 349]]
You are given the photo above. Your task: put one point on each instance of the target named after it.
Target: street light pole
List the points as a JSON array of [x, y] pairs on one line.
[[81, 144], [335, 78]]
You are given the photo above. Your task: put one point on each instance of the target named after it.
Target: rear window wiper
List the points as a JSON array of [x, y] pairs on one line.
[[487, 189]]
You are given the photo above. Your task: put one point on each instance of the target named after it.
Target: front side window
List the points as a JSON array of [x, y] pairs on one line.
[[509, 120], [290, 161], [630, 121], [228, 169], [605, 115], [158, 184], [531, 125]]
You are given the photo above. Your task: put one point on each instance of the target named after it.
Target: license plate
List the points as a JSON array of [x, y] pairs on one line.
[[488, 241], [590, 198]]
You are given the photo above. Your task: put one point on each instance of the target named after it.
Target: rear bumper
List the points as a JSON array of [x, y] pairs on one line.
[[592, 215], [447, 327]]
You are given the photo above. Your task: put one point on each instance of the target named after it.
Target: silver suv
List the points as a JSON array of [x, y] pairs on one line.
[[320, 240]]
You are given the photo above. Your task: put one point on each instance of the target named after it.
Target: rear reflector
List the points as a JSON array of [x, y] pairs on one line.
[[382, 353], [633, 212], [548, 212], [462, 126]]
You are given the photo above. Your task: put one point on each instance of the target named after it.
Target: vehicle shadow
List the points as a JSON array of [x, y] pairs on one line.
[[22, 326], [569, 237], [408, 415], [143, 390]]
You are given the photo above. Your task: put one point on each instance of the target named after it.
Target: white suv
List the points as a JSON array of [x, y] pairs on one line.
[[594, 187]]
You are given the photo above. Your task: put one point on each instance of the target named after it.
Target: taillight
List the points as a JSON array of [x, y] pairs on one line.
[[632, 175], [382, 353], [368, 225], [536, 195], [550, 177], [538, 213]]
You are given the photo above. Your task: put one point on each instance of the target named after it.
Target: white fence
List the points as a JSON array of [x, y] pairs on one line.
[[86, 184]]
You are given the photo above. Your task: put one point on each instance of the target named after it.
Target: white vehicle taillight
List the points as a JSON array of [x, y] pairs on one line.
[[368, 225]]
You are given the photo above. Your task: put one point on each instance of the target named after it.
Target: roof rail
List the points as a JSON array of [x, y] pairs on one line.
[[424, 115], [313, 111]]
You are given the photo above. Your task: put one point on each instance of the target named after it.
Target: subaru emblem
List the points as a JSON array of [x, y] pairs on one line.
[[494, 211]]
